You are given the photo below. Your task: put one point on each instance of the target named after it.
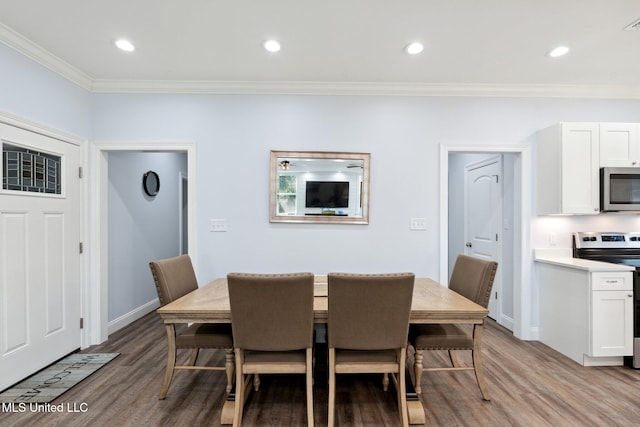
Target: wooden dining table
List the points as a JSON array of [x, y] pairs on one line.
[[432, 303]]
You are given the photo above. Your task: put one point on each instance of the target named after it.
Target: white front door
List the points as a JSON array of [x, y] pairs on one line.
[[39, 252], [483, 215]]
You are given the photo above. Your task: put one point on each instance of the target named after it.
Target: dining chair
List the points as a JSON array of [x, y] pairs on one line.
[[472, 278], [174, 278], [272, 319], [367, 329]]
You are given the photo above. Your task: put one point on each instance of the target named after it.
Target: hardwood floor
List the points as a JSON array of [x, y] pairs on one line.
[[530, 385]]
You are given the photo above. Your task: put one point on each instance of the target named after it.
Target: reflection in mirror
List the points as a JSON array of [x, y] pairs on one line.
[[318, 186]]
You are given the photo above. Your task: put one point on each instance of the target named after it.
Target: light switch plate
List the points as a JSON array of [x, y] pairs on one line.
[[216, 225], [418, 224]]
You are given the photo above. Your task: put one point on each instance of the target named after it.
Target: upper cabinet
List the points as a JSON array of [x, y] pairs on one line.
[[569, 158], [619, 145], [568, 164]]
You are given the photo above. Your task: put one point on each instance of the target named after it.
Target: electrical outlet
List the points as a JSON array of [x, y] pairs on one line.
[[418, 224], [217, 225]]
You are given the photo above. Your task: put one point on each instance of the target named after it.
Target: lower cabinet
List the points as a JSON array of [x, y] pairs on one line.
[[586, 315], [611, 323]]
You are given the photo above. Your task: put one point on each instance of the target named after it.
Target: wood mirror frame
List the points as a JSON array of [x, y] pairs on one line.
[[332, 169]]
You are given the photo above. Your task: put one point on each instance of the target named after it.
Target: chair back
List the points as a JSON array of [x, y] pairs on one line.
[[369, 311], [174, 277], [473, 278], [271, 312]]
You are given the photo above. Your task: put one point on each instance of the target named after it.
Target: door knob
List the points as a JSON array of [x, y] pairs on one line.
[[468, 244]]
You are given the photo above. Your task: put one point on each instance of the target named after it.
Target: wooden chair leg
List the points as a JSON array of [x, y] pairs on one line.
[[229, 368], [171, 360], [239, 401], [256, 382], [417, 369], [454, 359], [309, 383], [477, 361], [194, 357], [402, 389], [332, 387]]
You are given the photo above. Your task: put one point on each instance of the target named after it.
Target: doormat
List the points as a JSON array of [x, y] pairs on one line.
[[49, 383]]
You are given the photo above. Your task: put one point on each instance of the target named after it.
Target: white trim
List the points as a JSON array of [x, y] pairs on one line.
[[31, 50], [98, 212], [133, 315], [19, 122], [181, 177], [522, 327], [367, 88], [43, 57]]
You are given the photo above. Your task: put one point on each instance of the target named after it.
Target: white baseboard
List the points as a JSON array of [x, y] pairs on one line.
[[507, 322], [133, 315]]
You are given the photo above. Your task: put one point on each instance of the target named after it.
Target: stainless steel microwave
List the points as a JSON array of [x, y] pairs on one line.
[[619, 189]]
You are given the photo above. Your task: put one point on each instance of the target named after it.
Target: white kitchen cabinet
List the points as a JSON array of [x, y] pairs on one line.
[[619, 145], [611, 320], [586, 315], [568, 169]]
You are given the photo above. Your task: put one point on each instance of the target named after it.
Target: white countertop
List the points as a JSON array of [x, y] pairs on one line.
[[562, 257]]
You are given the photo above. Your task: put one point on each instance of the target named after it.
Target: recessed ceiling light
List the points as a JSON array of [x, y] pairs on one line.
[[414, 48], [559, 51], [272, 46], [125, 45]]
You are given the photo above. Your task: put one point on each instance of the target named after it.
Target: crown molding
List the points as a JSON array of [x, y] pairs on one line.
[[367, 89], [35, 52]]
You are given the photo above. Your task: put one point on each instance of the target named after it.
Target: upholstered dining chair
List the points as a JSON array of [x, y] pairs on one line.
[[367, 329], [272, 318], [472, 278], [174, 278]]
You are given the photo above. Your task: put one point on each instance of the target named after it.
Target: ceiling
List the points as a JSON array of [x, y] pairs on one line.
[[334, 46]]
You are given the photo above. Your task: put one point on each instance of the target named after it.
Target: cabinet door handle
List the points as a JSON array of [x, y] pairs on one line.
[[630, 295]]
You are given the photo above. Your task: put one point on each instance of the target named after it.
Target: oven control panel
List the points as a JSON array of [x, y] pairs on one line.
[[585, 240]]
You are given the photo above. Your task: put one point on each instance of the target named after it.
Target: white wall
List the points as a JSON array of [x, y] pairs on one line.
[[141, 228], [30, 91], [235, 133]]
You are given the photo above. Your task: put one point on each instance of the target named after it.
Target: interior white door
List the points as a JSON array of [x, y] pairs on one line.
[[39, 254], [483, 215]]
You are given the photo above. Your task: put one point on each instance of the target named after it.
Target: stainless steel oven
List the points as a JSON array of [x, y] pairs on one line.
[[619, 189], [617, 248]]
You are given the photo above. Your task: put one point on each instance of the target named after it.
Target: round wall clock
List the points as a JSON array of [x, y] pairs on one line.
[[151, 183]]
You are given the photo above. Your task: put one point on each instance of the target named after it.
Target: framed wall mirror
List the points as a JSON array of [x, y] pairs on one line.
[[319, 187]]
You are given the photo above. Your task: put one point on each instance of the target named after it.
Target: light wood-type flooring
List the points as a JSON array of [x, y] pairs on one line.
[[530, 385]]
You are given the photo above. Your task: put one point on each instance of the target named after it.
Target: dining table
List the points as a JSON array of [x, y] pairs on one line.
[[432, 303]]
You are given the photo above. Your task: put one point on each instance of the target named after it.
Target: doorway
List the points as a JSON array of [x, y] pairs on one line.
[[519, 156], [476, 193], [143, 226], [99, 229]]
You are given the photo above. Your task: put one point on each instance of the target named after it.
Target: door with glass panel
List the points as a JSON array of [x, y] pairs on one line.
[[39, 252]]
